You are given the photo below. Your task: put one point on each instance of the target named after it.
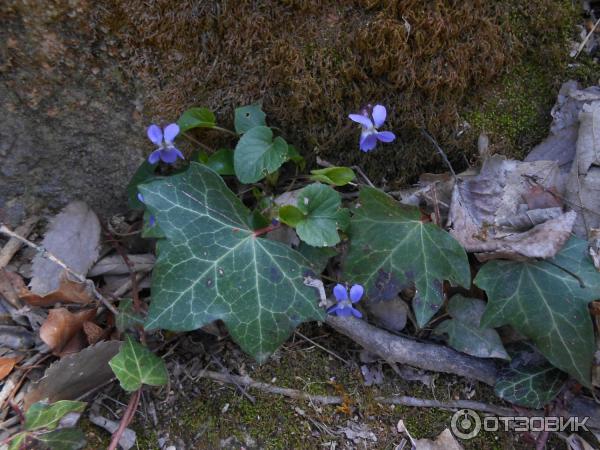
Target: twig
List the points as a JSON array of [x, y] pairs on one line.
[[197, 142], [13, 245], [451, 405], [440, 151], [232, 379], [269, 388], [127, 416], [362, 174], [325, 349], [46, 254], [587, 38]]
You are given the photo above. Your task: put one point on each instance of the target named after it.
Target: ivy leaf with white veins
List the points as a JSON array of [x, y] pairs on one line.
[[318, 216], [547, 301], [135, 365], [212, 266], [42, 415], [257, 154], [391, 248], [464, 332]]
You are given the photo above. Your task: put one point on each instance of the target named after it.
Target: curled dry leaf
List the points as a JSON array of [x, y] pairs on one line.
[[93, 332], [7, 365], [68, 291], [489, 214], [62, 326], [11, 286], [73, 237], [444, 441]]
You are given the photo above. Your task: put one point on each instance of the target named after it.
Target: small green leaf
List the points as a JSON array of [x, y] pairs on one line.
[[201, 156], [196, 118], [337, 176], [127, 317], [547, 301], [257, 154], [257, 221], [296, 157], [318, 256], [145, 172], [222, 162], [63, 439], [290, 215], [529, 381], [248, 117], [212, 266], [42, 415], [322, 215], [464, 332], [19, 441], [135, 365], [391, 248]]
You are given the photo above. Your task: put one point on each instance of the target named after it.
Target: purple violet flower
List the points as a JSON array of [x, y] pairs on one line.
[[151, 220], [344, 306], [370, 135], [166, 151]]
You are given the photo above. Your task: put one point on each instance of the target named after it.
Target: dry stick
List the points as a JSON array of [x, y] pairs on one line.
[[13, 245], [587, 38], [453, 405], [127, 416], [439, 150], [426, 356], [46, 254]]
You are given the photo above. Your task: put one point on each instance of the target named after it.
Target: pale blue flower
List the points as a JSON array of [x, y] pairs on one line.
[[370, 134], [166, 151], [344, 307]]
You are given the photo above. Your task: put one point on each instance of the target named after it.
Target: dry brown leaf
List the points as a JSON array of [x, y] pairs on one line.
[[74, 375], [488, 215], [69, 291], [11, 286], [73, 237], [93, 332], [7, 365], [62, 326], [444, 441]]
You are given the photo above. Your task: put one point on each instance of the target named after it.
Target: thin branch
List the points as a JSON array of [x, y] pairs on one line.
[[13, 245], [46, 254], [451, 405], [587, 38], [126, 420], [440, 151]]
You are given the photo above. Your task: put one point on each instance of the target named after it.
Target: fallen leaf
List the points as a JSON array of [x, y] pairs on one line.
[[74, 375], [488, 215], [93, 332], [584, 179], [357, 432], [372, 375], [68, 291], [115, 265], [11, 285], [16, 337], [73, 237], [7, 365], [444, 441], [62, 325]]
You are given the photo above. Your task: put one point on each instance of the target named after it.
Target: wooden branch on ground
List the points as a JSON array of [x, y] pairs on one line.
[[14, 244], [436, 358]]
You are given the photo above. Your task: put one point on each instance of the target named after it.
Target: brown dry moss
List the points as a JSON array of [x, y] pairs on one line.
[[312, 62]]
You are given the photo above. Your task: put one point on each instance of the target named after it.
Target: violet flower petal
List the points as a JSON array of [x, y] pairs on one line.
[[356, 313], [154, 156], [368, 142], [363, 120], [155, 134], [356, 292], [340, 292], [379, 115], [385, 136], [168, 155], [171, 132]]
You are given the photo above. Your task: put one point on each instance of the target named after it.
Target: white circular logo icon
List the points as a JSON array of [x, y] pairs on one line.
[[465, 424]]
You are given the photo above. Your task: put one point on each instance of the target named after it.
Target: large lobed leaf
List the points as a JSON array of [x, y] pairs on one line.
[[547, 302], [211, 266], [392, 248]]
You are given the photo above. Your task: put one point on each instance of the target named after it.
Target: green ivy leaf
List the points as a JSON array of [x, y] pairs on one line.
[[63, 439], [257, 154], [336, 176], [19, 441], [221, 162], [529, 381], [196, 118], [323, 215], [144, 172], [127, 317], [212, 266], [42, 415], [318, 256], [392, 248], [248, 117], [547, 302], [464, 332], [135, 365]]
